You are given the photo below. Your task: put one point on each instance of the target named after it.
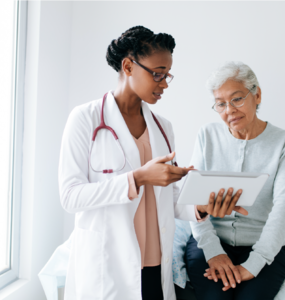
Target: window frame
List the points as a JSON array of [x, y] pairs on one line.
[[20, 39]]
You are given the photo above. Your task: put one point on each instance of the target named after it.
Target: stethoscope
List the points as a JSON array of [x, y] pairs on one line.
[[104, 126]]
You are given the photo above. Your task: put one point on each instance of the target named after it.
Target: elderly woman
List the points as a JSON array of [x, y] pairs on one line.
[[240, 257]]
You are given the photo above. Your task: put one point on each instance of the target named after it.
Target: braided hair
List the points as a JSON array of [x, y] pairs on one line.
[[138, 42]]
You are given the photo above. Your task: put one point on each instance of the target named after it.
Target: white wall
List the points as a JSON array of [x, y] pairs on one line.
[[206, 34]]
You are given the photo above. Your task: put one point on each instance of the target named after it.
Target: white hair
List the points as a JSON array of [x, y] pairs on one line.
[[234, 70]]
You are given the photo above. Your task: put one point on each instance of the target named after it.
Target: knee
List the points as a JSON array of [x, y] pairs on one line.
[[193, 255]]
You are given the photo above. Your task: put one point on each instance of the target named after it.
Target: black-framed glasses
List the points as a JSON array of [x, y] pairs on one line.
[[219, 107], [157, 77]]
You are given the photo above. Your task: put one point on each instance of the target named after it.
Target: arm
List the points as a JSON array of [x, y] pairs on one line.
[[76, 192], [206, 236], [273, 234]]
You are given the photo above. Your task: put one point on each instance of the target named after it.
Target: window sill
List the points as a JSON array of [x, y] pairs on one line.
[[12, 287]]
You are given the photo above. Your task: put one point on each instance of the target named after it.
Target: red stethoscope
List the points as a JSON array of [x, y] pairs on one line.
[[104, 126]]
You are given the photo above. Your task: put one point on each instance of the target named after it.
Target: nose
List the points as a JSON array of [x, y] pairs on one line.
[[163, 84], [229, 109]]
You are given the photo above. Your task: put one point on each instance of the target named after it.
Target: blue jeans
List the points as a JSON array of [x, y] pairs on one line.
[[263, 287]]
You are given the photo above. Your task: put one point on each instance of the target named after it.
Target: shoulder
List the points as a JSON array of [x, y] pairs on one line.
[[85, 111], [275, 131], [86, 108], [162, 120], [82, 117], [275, 136], [211, 130]]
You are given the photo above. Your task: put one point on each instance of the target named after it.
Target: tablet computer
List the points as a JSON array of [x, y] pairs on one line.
[[198, 186]]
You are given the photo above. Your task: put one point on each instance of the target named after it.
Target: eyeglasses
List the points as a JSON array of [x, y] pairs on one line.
[[235, 102], [157, 77]]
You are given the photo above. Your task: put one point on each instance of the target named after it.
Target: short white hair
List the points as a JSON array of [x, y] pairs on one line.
[[234, 70]]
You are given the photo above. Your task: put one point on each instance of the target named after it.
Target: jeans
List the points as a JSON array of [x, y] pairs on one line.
[[263, 287]]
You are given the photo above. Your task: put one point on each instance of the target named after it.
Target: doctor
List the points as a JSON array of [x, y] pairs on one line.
[[117, 174]]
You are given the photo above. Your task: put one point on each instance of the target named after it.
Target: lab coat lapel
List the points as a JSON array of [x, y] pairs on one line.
[[157, 141], [114, 119]]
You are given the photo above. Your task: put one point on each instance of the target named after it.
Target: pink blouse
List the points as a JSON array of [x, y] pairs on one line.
[[145, 221]]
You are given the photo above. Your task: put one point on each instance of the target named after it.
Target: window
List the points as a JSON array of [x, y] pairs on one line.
[[12, 49]]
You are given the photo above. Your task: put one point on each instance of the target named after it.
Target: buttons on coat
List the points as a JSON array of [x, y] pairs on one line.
[[167, 260], [163, 230]]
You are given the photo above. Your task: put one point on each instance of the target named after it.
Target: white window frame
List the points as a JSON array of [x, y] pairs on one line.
[[12, 274]]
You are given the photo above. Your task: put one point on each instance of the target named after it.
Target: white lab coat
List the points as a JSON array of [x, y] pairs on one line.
[[105, 259]]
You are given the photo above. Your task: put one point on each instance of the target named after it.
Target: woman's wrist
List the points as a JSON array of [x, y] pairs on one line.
[[203, 215], [201, 210], [138, 177]]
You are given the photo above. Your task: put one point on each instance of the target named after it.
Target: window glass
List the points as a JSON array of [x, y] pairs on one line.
[[7, 81]]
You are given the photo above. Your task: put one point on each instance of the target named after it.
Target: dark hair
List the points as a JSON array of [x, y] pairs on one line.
[[137, 41]]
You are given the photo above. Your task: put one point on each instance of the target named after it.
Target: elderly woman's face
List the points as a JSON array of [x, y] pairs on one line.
[[237, 118]]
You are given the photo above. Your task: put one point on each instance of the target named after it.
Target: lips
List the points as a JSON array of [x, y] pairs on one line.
[[157, 95], [235, 120]]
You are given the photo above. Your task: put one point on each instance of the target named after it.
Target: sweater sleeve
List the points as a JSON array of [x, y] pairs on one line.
[[273, 234]]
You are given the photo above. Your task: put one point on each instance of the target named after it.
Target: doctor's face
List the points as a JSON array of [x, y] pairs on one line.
[[142, 82]]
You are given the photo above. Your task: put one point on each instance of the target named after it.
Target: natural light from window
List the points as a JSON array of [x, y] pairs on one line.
[[7, 45]]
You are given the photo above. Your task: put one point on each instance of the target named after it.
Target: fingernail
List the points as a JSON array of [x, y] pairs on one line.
[[216, 280], [233, 286], [226, 284], [238, 281]]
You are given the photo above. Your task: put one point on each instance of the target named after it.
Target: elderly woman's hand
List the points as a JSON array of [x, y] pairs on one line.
[[219, 208], [221, 267]]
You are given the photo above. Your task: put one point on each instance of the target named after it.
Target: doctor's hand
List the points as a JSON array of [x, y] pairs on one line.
[[245, 275], [218, 207], [157, 172], [221, 267]]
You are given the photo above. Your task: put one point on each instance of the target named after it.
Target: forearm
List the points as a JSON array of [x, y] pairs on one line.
[[139, 177], [76, 196], [270, 242], [207, 239]]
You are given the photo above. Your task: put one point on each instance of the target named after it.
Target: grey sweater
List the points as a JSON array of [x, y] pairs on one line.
[[216, 149]]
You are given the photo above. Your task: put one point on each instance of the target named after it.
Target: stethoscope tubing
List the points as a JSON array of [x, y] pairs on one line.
[[104, 126]]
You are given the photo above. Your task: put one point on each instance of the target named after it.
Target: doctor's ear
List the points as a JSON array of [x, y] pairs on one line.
[[127, 66]]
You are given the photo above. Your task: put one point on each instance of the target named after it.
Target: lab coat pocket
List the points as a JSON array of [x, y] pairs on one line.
[[88, 247]]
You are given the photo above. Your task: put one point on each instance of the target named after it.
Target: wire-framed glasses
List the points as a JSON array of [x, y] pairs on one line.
[[220, 106], [157, 77]]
